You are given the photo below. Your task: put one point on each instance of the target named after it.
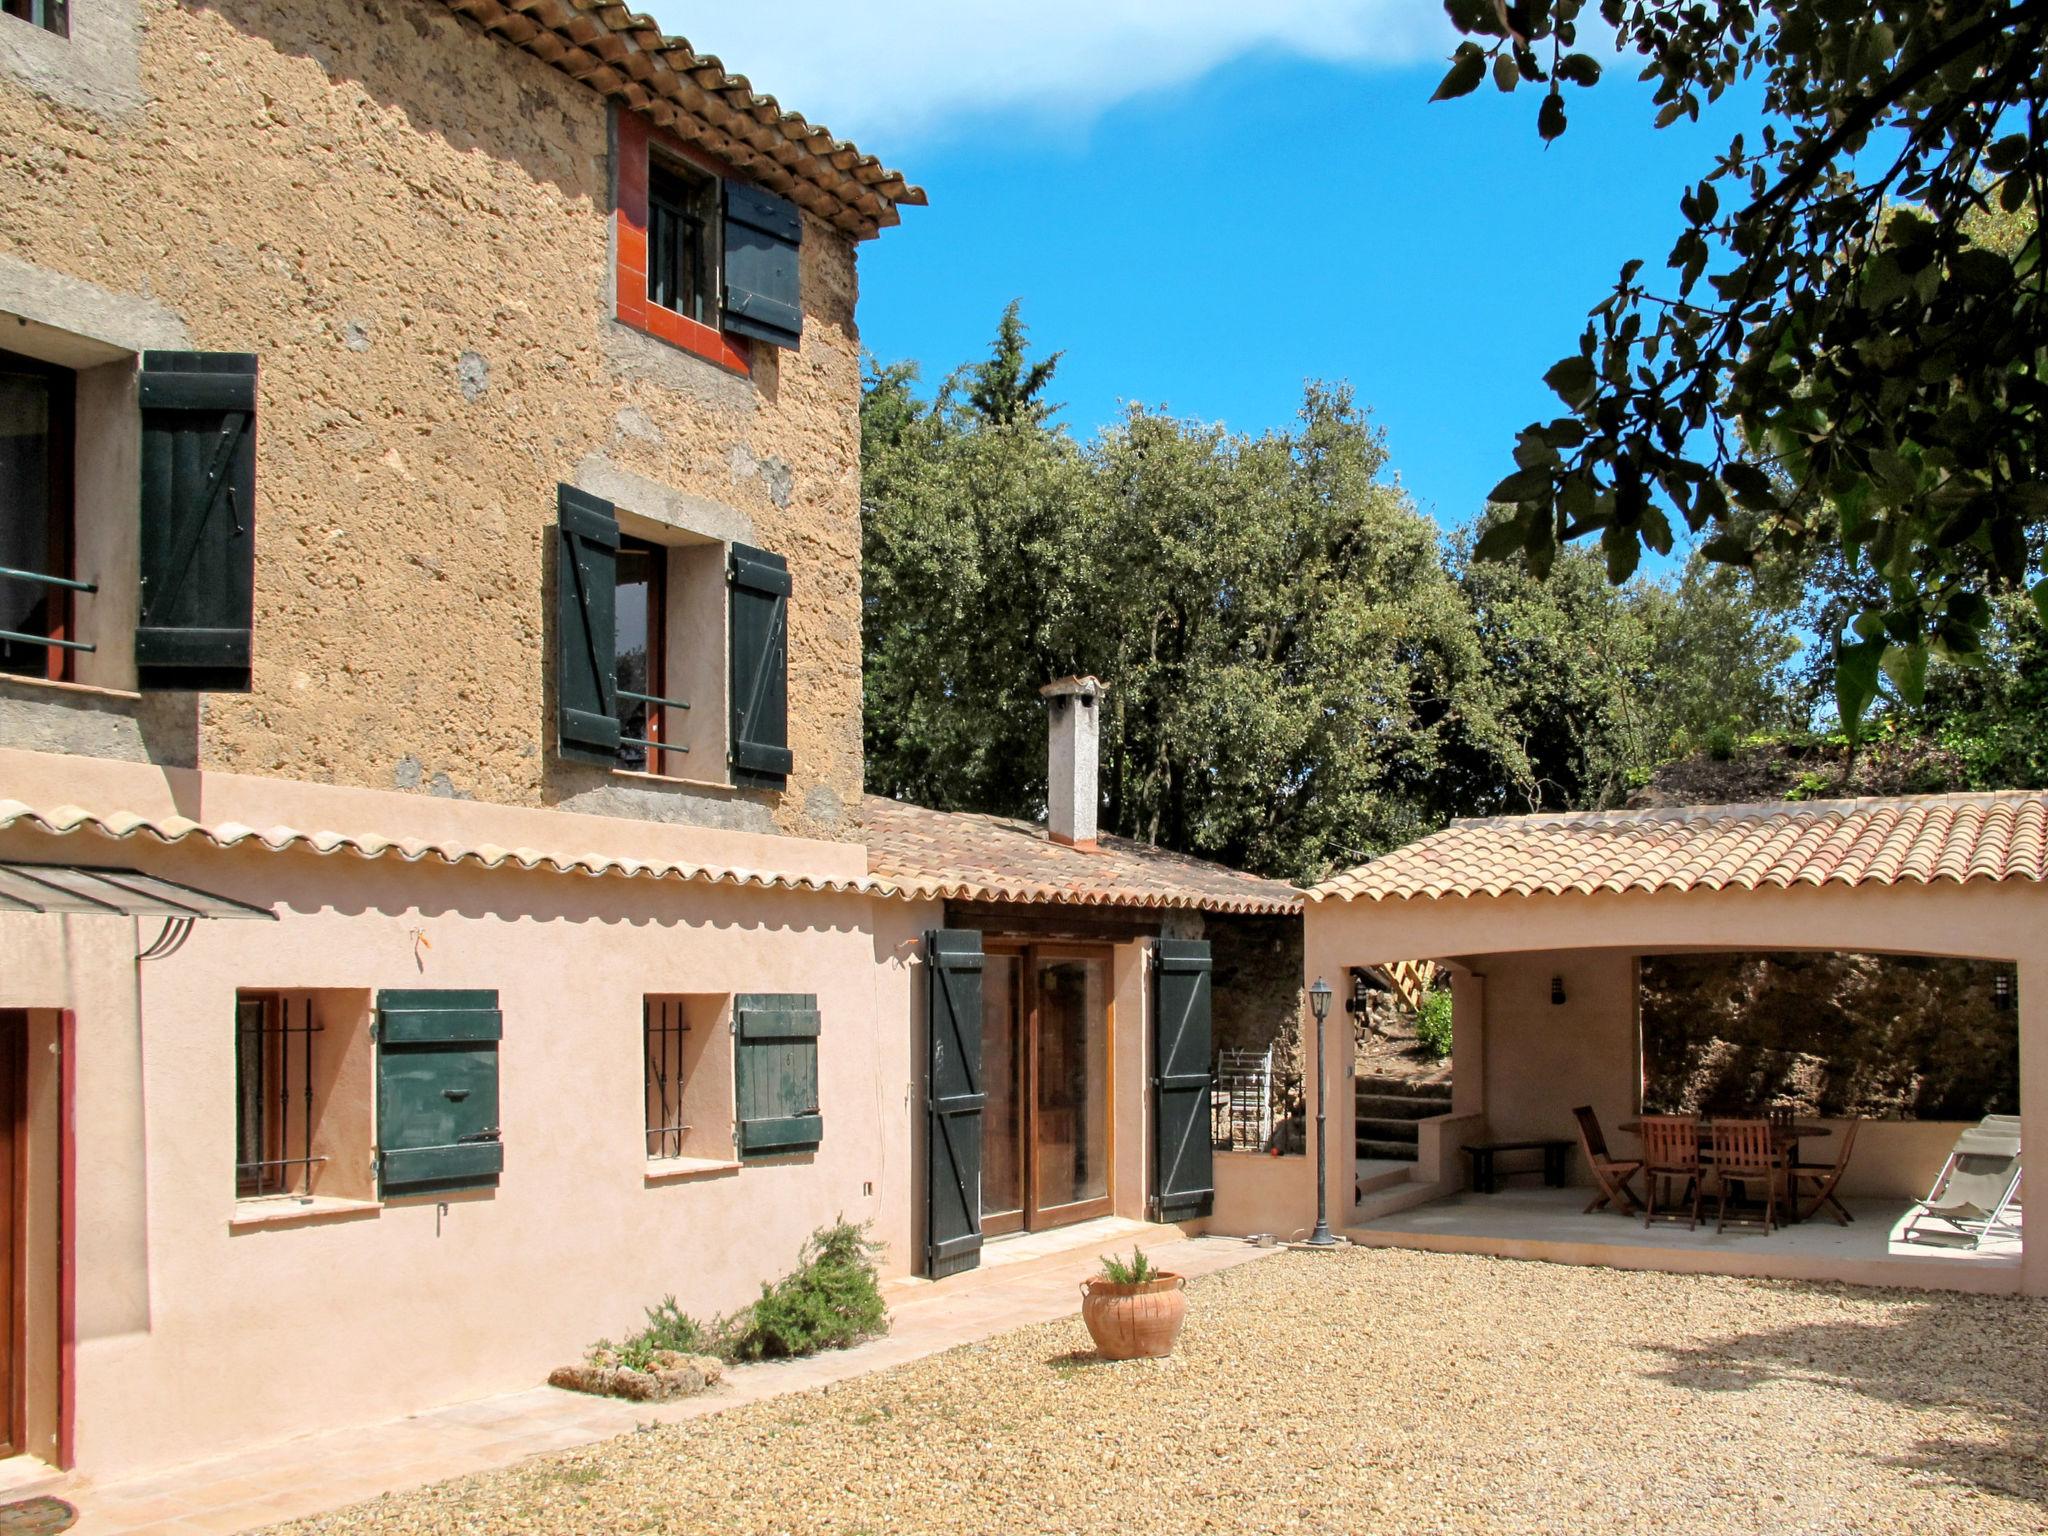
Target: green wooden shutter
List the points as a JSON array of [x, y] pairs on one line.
[[586, 627], [1183, 1145], [763, 235], [759, 582], [437, 1091], [198, 528], [775, 1072], [954, 1100]]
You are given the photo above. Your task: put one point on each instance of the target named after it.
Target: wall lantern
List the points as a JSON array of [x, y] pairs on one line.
[[1557, 991]]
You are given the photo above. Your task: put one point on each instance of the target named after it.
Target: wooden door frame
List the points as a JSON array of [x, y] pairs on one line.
[[14, 1036], [1030, 1216]]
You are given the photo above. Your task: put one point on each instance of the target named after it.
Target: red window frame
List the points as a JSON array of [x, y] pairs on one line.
[[638, 140]]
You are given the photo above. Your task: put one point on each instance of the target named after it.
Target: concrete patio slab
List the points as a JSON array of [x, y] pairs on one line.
[[1551, 1225]]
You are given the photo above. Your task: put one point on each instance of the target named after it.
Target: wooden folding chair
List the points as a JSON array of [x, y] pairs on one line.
[[1611, 1174], [1671, 1151], [1745, 1152], [1824, 1177]]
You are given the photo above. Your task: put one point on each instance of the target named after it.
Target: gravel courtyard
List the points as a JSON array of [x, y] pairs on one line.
[[1367, 1391]]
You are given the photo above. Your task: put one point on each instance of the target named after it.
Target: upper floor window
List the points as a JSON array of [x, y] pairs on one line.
[[36, 585], [705, 262], [682, 240], [671, 650], [50, 15]]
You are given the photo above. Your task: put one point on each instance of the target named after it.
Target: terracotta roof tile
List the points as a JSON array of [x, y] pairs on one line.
[[1916, 839], [962, 856], [120, 825], [625, 55]]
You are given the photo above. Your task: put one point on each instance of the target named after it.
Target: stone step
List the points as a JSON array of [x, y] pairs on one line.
[[1389, 1130], [1376, 1174], [1401, 1106], [1404, 1087], [1389, 1151]]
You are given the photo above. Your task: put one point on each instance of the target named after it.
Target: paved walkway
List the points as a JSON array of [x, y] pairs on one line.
[[1025, 1280]]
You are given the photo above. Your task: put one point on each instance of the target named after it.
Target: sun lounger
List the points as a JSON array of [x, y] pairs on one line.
[[1973, 1195]]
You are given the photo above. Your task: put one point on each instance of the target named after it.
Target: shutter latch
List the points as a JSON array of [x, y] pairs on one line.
[[493, 1134]]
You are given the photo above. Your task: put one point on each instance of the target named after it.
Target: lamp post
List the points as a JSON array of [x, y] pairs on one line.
[[1319, 1005]]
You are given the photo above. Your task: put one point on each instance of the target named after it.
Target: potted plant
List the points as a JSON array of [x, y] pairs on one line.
[[1132, 1309]]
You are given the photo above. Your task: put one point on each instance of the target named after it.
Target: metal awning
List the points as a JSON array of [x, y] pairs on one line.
[[76, 889]]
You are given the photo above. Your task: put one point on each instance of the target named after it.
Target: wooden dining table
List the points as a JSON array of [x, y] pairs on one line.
[[1784, 1139]]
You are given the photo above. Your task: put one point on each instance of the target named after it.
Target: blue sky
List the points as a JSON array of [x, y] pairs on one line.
[[1204, 208]]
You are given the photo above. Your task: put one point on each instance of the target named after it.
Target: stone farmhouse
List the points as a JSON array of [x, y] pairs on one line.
[[439, 912]]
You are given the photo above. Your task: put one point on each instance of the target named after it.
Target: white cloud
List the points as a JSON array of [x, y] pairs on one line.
[[898, 71]]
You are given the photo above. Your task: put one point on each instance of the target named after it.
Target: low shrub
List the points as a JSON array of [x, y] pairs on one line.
[[832, 1300], [1433, 1024]]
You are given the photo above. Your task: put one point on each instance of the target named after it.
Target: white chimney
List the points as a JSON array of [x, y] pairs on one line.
[[1075, 725]]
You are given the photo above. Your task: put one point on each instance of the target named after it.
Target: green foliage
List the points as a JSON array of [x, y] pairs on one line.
[[1433, 1024], [1137, 1271], [832, 1300], [1846, 353], [1300, 674], [1008, 389], [669, 1327], [669, 1330]]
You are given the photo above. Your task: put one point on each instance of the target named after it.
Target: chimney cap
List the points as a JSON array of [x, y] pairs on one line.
[[1072, 687]]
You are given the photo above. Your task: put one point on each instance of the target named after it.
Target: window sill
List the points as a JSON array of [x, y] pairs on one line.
[[673, 1170], [87, 690], [289, 1211], [639, 777]]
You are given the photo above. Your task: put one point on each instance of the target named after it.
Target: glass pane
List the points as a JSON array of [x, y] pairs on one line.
[[25, 606], [251, 1098], [682, 213], [1072, 1155], [1002, 1165], [639, 633]]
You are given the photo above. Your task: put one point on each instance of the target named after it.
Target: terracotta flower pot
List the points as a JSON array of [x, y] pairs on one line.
[[1130, 1322]]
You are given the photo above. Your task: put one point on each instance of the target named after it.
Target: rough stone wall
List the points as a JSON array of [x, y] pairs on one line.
[[1257, 989], [410, 223]]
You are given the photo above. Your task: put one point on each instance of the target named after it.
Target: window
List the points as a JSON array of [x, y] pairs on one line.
[[274, 1095], [50, 15], [37, 632], [682, 240], [704, 261], [642, 710], [671, 649], [686, 1048], [302, 1094]]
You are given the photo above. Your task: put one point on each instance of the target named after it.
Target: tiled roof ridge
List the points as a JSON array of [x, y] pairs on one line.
[[1170, 879], [64, 820], [1749, 809], [624, 54], [1992, 835]]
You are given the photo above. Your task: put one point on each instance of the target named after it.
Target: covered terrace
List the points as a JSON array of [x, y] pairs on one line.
[[1547, 924]]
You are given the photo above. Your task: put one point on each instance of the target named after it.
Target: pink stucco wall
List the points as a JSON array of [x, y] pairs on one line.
[[200, 1329]]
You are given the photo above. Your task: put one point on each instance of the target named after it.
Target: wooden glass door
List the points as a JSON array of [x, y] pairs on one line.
[[13, 1187], [1046, 1020]]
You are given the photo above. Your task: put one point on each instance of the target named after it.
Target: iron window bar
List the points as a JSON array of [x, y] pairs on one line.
[[260, 1176], [662, 1028], [50, 642], [650, 698]]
